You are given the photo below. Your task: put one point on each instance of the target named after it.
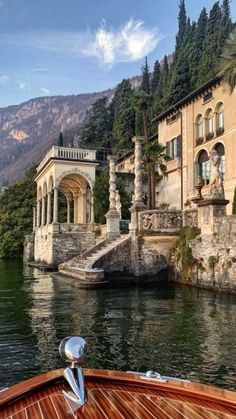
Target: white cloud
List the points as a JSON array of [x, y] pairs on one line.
[[4, 79], [24, 86], [39, 70], [44, 91], [130, 43]]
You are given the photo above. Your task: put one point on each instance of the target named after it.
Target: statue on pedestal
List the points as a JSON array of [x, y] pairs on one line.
[[216, 183]]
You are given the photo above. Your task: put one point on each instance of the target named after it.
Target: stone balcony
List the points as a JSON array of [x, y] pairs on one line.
[[67, 153]]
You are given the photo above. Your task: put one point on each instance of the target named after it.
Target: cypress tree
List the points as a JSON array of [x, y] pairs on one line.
[[145, 84], [97, 130], [60, 140], [124, 117], [156, 77], [225, 24], [211, 46], [182, 19], [199, 36]]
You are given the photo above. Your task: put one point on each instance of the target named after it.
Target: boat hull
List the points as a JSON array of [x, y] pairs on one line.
[[112, 394]]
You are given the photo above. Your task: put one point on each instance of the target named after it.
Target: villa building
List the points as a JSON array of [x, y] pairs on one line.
[[203, 121]]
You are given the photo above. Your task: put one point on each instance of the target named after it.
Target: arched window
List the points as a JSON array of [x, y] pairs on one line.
[[203, 167], [199, 129], [219, 147], [209, 125], [219, 119]]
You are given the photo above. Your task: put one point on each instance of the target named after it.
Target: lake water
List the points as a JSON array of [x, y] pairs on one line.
[[176, 330]]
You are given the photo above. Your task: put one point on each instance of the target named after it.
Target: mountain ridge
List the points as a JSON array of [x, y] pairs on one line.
[[27, 130]]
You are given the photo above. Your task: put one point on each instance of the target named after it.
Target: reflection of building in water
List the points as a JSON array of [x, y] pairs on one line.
[[42, 319], [213, 319]]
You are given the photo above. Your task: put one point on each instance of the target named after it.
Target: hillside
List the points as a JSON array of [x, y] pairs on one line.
[[29, 129]]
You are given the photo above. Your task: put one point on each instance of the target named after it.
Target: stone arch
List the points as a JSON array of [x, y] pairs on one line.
[[75, 171], [199, 127], [202, 166], [219, 118], [209, 124]]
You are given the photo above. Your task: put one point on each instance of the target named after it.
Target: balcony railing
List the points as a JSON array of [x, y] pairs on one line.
[[66, 153]]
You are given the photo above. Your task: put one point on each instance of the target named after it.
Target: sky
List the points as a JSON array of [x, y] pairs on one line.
[[61, 47]]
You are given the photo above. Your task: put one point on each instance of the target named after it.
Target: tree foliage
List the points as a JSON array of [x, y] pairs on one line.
[[16, 215], [60, 140], [124, 117], [227, 63], [97, 131]]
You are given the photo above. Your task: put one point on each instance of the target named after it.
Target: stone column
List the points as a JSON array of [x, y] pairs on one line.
[[138, 204], [49, 199], [91, 207], [68, 211], [38, 213], [113, 217], [43, 211], [76, 209], [55, 205], [34, 218], [84, 206]]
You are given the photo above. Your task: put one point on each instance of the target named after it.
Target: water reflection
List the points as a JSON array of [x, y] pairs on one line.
[[175, 330]]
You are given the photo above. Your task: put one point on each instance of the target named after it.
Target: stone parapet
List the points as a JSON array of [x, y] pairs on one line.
[[160, 221]]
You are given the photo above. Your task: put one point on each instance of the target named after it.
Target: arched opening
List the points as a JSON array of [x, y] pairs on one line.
[[220, 149], [219, 119], [199, 129], [75, 200], [203, 167], [209, 124]]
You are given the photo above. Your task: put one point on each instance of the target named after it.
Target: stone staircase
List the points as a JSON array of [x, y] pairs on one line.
[[88, 269]]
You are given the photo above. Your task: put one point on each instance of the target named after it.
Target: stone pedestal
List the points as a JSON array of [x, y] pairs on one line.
[[113, 223], [209, 212], [134, 210]]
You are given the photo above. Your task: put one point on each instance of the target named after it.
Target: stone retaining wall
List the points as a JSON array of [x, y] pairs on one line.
[[53, 247]]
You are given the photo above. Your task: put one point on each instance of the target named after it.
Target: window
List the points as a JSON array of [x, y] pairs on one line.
[[219, 119], [219, 147], [203, 167], [209, 125], [207, 97], [199, 129], [173, 148], [172, 118]]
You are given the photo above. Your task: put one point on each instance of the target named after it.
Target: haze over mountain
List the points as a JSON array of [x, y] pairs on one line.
[[29, 129]]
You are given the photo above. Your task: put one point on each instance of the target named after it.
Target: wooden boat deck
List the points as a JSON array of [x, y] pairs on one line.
[[116, 395]]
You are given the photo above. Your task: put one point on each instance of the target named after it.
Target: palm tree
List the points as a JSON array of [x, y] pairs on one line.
[[154, 153], [155, 159], [227, 64]]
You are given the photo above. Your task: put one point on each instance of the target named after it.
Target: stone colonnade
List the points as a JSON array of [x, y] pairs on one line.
[[46, 211]]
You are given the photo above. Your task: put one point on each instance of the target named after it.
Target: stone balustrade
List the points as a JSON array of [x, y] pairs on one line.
[[168, 221], [68, 154]]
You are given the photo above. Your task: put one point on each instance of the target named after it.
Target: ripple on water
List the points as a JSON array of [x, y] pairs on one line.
[[176, 330]]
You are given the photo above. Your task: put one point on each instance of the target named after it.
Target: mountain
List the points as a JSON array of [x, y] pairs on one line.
[[29, 129]]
